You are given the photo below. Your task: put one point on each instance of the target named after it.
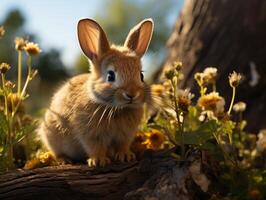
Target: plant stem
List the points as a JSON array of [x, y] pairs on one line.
[[214, 87], [19, 71], [5, 95], [9, 120], [178, 120], [25, 86], [225, 154], [232, 101]]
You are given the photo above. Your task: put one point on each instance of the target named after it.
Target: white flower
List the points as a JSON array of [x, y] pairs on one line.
[[261, 143], [239, 107], [212, 101]]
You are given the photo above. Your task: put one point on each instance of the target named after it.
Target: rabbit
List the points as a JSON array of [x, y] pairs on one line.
[[95, 116]]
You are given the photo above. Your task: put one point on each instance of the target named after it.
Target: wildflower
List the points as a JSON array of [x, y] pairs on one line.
[[4, 67], [32, 164], [207, 114], [32, 49], [210, 74], [234, 79], [212, 101], [261, 143], [178, 65], [42, 159], [158, 89], [10, 84], [20, 43], [198, 77], [46, 157], [138, 145], [154, 139], [239, 107], [170, 74], [2, 31], [184, 99]]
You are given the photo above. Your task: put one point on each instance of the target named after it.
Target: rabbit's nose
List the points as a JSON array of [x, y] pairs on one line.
[[129, 96]]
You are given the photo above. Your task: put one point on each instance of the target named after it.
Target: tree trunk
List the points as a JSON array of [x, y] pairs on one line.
[[158, 175], [229, 35]]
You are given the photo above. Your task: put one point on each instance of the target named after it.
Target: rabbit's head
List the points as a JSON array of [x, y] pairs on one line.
[[116, 77]]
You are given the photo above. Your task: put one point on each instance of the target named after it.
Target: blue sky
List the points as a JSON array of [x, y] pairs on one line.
[[54, 21]]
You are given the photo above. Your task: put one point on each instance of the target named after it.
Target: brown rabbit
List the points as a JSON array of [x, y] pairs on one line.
[[96, 115]]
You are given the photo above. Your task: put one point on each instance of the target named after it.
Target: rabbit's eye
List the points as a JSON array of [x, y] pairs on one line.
[[110, 76], [142, 76]]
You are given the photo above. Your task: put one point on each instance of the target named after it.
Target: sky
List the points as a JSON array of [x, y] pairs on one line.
[[54, 21]]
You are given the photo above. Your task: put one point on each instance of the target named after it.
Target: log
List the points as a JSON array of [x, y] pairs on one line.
[[229, 35], [157, 175]]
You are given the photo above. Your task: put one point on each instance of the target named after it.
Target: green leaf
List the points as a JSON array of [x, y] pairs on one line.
[[23, 132], [201, 135], [227, 128], [3, 122]]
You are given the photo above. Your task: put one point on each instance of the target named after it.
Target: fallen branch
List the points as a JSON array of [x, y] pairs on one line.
[[158, 175]]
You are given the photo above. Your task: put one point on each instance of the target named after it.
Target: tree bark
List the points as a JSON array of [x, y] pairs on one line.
[[158, 175], [229, 35]]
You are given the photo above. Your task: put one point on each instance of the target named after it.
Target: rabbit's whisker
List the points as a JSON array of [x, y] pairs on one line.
[[105, 109], [109, 116], [94, 113]]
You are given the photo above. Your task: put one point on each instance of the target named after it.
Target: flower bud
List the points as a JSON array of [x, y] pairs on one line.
[[4, 67]]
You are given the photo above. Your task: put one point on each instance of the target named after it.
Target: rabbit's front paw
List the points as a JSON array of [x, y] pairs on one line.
[[103, 161], [125, 156]]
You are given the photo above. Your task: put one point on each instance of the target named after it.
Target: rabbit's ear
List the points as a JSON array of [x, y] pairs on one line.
[[139, 37], [92, 39]]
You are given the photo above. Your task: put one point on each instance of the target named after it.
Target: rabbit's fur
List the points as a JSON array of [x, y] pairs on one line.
[[93, 116]]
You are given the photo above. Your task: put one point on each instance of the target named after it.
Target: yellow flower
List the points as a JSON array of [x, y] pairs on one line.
[[32, 49], [10, 84], [198, 77], [20, 43], [212, 101], [234, 79], [138, 145], [158, 89], [167, 85], [239, 107], [2, 31], [184, 99], [46, 157], [42, 159], [154, 139], [4, 67], [178, 65]]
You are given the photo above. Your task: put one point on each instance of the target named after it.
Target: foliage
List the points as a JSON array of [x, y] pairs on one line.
[[235, 158], [56, 71], [15, 124]]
